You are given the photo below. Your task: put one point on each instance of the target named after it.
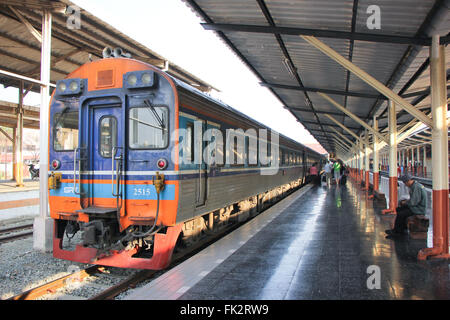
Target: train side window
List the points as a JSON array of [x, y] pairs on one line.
[[65, 131], [188, 147], [148, 127], [251, 144], [108, 135]]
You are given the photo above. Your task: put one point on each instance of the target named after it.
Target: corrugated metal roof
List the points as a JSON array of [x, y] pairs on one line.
[[249, 28], [20, 50]]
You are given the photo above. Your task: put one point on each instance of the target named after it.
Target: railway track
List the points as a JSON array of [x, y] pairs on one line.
[[11, 233], [131, 281], [113, 291]]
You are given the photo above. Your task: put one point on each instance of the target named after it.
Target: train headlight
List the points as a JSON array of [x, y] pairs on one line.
[[146, 78], [132, 80], [62, 87], [69, 86], [161, 164], [73, 86], [139, 79]]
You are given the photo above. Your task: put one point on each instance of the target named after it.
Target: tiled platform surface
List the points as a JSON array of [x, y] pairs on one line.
[[320, 247]]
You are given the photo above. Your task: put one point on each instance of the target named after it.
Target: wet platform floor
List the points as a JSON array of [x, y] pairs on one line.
[[328, 244]]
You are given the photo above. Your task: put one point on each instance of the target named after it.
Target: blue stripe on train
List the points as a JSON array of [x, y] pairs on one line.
[[181, 176], [104, 190]]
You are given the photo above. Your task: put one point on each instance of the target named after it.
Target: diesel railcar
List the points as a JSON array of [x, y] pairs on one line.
[[117, 182]]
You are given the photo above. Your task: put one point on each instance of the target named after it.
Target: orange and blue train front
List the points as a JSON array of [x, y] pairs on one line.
[[113, 182]]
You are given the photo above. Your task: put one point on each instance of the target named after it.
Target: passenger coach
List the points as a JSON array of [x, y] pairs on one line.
[[117, 188]]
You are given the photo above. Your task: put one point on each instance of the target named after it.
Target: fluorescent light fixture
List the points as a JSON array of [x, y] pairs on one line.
[[289, 67]]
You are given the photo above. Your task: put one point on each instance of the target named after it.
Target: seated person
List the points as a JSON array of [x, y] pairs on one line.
[[417, 204]]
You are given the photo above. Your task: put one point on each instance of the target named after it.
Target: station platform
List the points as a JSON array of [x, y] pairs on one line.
[[18, 202], [318, 243]]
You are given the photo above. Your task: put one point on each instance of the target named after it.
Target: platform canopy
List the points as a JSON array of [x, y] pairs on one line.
[[267, 36], [20, 43]]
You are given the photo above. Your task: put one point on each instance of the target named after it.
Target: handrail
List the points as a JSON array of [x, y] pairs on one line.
[[115, 193]]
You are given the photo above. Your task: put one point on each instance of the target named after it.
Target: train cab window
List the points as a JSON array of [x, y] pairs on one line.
[[148, 127], [65, 130], [108, 135]]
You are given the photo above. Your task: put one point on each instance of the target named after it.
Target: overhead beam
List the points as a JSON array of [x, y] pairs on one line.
[[27, 24], [368, 79], [341, 143], [343, 127], [334, 34], [329, 91], [27, 79], [325, 124], [351, 115], [36, 4], [344, 93], [6, 135], [343, 137], [319, 130], [310, 111]]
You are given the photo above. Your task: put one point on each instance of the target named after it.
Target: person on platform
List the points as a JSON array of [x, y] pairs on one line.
[[328, 172], [417, 204], [314, 173], [337, 172]]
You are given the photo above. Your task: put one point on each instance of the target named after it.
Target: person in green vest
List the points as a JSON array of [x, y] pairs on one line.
[[337, 172]]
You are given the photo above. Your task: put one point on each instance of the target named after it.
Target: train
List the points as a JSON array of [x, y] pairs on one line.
[[141, 163]]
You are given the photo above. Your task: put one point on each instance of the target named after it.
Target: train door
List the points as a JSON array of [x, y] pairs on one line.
[[201, 167], [104, 157]]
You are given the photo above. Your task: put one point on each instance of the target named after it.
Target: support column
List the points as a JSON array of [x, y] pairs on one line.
[[14, 172], [393, 193], [43, 225], [366, 164], [439, 154], [361, 160], [418, 160], [376, 170], [425, 161], [18, 160]]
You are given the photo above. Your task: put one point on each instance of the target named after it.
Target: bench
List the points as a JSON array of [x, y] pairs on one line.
[[418, 226]]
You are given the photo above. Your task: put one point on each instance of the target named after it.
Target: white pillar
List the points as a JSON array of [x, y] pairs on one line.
[[361, 158], [392, 158], [43, 225], [439, 153], [424, 158]]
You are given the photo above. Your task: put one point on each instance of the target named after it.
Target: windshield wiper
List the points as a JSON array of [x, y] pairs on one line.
[[155, 114], [67, 108]]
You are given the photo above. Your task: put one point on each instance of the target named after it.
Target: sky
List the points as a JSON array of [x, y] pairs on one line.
[[171, 29]]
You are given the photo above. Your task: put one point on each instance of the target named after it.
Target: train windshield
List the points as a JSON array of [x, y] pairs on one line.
[[65, 130], [148, 127]]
